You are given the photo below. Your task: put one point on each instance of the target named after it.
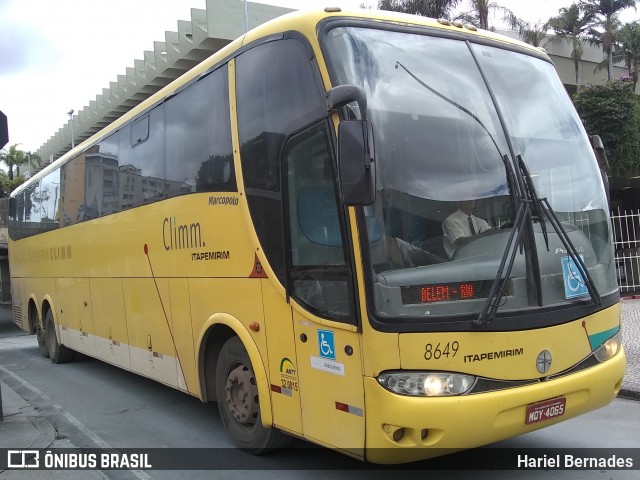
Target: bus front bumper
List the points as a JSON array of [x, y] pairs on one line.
[[403, 429]]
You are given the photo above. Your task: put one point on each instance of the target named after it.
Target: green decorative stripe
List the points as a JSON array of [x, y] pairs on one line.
[[598, 339]]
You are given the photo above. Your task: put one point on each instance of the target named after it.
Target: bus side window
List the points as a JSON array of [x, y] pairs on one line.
[[320, 276], [279, 91], [198, 149]]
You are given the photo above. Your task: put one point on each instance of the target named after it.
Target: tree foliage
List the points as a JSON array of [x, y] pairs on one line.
[[572, 24], [14, 157], [605, 24], [479, 14], [425, 8], [612, 111], [628, 49], [533, 33]]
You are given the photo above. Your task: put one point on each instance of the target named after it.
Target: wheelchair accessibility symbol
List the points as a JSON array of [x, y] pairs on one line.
[[326, 344], [574, 284]]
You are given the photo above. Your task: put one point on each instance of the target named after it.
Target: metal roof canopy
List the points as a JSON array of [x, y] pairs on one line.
[[207, 32]]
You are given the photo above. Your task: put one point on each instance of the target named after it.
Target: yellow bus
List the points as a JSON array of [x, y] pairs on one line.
[[381, 233]]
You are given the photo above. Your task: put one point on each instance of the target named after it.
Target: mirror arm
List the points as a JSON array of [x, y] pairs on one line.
[[343, 94]]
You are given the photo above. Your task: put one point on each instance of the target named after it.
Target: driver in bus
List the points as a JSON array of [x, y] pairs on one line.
[[461, 224]]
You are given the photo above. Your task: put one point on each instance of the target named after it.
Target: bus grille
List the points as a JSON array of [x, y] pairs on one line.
[[17, 316]]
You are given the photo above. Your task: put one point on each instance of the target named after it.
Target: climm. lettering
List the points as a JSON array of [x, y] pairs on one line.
[[178, 237]]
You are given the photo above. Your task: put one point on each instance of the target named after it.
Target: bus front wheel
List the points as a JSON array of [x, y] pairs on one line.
[[237, 397], [57, 353]]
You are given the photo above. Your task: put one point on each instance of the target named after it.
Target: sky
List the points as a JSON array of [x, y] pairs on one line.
[[57, 55]]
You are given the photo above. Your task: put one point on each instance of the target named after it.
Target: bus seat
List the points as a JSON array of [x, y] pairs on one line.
[[411, 228], [318, 216]]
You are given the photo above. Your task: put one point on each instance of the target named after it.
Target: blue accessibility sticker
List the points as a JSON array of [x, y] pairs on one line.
[[326, 344], [574, 284]]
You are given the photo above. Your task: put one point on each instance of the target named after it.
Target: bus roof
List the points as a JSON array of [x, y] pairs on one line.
[[304, 21]]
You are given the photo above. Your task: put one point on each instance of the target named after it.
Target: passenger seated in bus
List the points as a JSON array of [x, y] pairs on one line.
[[461, 224]]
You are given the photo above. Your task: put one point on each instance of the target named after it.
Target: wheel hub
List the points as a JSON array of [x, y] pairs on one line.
[[241, 394]]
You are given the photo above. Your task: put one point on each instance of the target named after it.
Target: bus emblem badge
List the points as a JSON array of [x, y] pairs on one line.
[[544, 361]]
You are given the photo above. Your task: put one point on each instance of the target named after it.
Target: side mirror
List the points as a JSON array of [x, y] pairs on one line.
[[598, 149], [12, 208], [603, 162], [356, 164], [4, 130]]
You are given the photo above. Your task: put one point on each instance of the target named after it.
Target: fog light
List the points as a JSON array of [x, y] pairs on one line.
[[609, 348], [423, 384], [398, 435]]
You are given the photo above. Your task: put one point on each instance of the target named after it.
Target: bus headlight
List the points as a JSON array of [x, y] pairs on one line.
[[421, 384], [609, 348]]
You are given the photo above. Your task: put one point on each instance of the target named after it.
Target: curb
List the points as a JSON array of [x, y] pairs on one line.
[[46, 431], [629, 394]]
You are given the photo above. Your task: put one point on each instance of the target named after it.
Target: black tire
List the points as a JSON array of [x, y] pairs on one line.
[[42, 340], [57, 353], [237, 396]]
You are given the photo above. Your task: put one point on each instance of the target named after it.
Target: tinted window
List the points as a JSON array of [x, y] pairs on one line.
[[146, 160], [140, 131], [278, 92], [320, 276], [199, 153], [50, 200], [37, 208], [128, 168]]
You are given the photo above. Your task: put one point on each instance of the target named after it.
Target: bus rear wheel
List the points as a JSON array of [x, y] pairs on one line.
[[42, 341], [237, 397], [57, 353]]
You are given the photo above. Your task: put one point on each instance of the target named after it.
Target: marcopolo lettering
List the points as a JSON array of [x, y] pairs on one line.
[[223, 200]]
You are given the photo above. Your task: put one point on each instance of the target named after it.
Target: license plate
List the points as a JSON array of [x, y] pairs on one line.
[[541, 411]]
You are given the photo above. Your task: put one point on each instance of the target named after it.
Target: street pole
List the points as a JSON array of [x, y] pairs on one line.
[[246, 17], [70, 113]]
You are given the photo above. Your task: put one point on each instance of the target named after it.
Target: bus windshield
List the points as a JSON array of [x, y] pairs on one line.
[[450, 118]]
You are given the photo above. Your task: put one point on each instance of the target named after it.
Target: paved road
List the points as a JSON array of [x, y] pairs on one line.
[[631, 342], [91, 404]]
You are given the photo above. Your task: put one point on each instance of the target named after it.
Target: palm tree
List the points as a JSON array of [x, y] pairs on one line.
[[533, 33], [426, 8], [479, 14], [33, 160], [572, 24], [13, 157], [628, 49], [603, 29]]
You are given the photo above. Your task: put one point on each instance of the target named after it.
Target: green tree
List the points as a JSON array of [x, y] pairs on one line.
[[9, 185], [425, 8], [603, 28], [612, 111], [628, 49], [533, 33], [479, 14], [572, 24], [13, 157]]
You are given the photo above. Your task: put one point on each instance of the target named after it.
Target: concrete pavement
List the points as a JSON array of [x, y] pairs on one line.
[[631, 343]]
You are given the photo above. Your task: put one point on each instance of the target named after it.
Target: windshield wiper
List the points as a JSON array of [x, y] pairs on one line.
[[531, 204], [496, 292], [451, 102], [544, 206]]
